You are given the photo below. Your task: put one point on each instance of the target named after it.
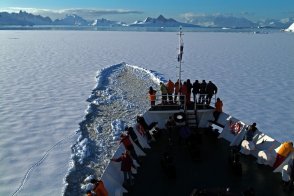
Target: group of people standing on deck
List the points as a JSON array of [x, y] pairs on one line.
[[173, 92]]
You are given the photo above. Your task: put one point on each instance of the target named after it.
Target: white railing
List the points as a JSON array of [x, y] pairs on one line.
[[168, 100]]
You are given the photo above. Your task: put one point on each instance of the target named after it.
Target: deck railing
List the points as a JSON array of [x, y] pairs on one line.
[[167, 100]]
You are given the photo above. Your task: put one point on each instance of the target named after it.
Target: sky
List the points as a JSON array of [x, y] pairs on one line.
[[131, 10]]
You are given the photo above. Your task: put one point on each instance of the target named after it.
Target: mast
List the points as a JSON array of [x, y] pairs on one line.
[[180, 55]]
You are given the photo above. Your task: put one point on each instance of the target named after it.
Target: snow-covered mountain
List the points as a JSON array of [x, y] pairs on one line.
[[23, 19], [160, 21], [222, 21], [219, 21], [238, 22], [290, 28], [73, 20], [107, 23], [274, 23]]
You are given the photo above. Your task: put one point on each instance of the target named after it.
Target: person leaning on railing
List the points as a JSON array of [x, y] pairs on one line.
[[125, 140], [133, 135]]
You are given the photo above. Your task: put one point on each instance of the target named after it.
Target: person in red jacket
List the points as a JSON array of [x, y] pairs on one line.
[[126, 166], [125, 139]]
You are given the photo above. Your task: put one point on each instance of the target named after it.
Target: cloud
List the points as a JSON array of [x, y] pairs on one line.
[[89, 14], [192, 17], [217, 19]]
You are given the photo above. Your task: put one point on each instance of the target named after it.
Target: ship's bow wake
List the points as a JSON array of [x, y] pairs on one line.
[[120, 95]]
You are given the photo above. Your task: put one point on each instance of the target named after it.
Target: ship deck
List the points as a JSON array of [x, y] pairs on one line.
[[203, 165]]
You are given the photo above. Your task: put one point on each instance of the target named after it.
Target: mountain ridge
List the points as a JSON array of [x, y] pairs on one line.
[[27, 19]]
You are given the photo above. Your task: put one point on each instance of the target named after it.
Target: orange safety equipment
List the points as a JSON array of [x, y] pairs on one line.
[[170, 87], [177, 87], [235, 127], [100, 189], [285, 149], [152, 96], [219, 106]]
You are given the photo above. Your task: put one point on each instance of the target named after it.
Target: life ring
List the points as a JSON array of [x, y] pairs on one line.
[[180, 117], [235, 127]]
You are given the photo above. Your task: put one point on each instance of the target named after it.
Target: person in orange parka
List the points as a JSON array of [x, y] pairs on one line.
[[218, 108], [284, 150], [184, 93], [99, 188], [152, 96], [170, 90]]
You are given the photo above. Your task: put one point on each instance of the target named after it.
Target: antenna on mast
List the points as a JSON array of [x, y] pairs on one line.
[[180, 54]]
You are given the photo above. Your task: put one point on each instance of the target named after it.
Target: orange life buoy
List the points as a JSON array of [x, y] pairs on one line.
[[235, 127]]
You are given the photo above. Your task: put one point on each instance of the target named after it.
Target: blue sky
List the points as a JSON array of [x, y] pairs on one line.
[[129, 10]]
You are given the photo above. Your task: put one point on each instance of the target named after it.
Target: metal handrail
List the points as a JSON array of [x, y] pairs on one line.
[[203, 100], [166, 102]]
